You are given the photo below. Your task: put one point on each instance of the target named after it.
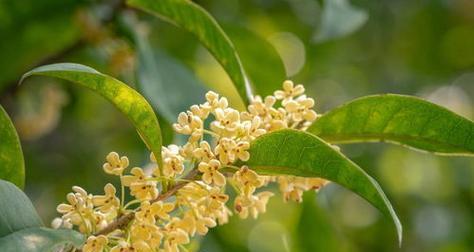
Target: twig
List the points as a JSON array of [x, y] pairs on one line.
[[124, 220]]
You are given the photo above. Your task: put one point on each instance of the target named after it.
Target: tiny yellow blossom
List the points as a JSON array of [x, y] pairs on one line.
[[289, 91], [148, 212], [95, 244], [204, 152], [225, 150], [174, 239], [241, 152], [248, 180], [227, 122], [210, 172], [115, 164], [251, 204], [139, 186], [151, 234], [108, 202], [214, 102]]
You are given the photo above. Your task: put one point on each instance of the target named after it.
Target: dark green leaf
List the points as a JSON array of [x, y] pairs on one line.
[[398, 119], [12, 165], [21, 227], [339, 18], [126, 99], [195, 19], [16, 210], [298, 153], [39, 239], [261, 60]]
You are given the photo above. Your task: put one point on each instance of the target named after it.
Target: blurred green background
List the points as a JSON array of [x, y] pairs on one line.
[[339, 49]]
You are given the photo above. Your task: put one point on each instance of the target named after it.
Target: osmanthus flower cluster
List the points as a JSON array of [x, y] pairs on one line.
[[187, 195]]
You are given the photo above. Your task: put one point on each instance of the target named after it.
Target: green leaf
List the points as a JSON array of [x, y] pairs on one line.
[[299, 153], [196, 20], [398, 119], [16, 210], [40, 239], [12, 164], [21, 227], [126, 99], [261, 60], [339, 18]]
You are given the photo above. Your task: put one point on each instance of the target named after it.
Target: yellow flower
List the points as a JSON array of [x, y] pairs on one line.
[[151, 234], [138, 246], [278, 120], [115, 164], [211, 172], [227, 121], [172, 161], [300, 109], [148, 211], [316, 183], [259, 107], [95, 244], [216, 199], [247, 179], [289, 91], [214, 102], [204, 152], [192, 192], [193, 223], [225, 150], [189, 124], [241, 150], [251, 204], [252, 128], [139, 186], [108, 202], [174, 239], [200, 111]]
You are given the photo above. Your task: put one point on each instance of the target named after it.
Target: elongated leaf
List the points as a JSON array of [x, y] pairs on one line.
[[12, 164], [339, 18], [126, 99], [398, 119], [195, 19], [298, 153], [21, 227], [264, 65], [40, 239], [16, 210]]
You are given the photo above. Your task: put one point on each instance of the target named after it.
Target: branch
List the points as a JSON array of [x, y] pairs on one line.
[[124, 220]]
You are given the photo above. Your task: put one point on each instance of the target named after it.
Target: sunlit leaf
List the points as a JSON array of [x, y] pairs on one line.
[[12, 164], [126, 99], [16, 210], [398, 119], [339, 18], [195, 19], [262, 62], [298, 153], [40, 239]]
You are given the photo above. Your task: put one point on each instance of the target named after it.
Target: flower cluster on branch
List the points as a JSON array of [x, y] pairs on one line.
[[187, 195]]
